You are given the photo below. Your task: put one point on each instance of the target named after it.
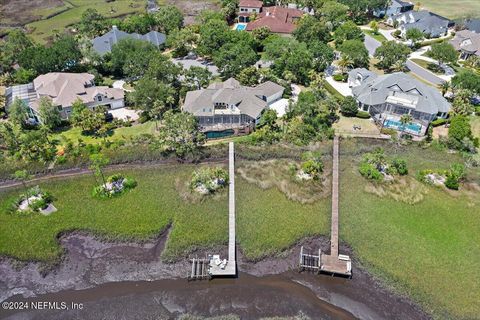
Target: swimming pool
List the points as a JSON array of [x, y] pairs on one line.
[[219, 134], [240, 27], [414, 127]]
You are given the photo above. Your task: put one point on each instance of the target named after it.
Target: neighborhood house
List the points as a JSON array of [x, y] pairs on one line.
[[431, 24], [467, 42], [64, 89], [104, 44], [230, 106], [278, 19], [394, 7], [390, 96]]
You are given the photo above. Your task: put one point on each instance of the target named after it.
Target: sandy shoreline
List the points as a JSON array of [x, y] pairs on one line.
[[90, 264]]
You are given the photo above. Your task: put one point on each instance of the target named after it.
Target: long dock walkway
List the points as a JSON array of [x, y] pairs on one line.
[[213, 265], [334, 262]]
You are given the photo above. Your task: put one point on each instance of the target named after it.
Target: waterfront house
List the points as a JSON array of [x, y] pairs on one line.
[[64, 89], [388, 97], [230, 106]]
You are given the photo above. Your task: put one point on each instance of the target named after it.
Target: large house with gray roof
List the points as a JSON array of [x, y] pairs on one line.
[[431, 24], [64, 89], [467, 43], [394, 7], [390, 96], [230, 106], [104, 44]]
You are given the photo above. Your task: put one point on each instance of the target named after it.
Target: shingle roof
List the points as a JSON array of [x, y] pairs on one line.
[[472, 25], [425, 21], [467, 40], [66, 88], [277, 19], [250, 3], [103, 44], [376, 90], [247, 99]]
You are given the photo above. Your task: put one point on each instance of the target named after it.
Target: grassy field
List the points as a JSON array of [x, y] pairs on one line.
[[74, 134], [42, 30], [429, 250], [475, 123], [150, 207], [453, 9], [378, 37], [424, 250]]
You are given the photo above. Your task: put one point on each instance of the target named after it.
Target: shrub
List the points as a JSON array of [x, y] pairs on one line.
[[389, 131], [129, 183], [209, 178], [37, 205], [363, 115], [369, 171], [439, 122], [340, 77], [452, 183], [349, 107], [401, 166], [120, 185]]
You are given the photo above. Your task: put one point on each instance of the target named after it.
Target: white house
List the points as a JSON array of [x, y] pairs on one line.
[[395, 7], [250, 6]]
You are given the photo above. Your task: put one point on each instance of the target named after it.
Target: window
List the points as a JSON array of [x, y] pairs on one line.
[[99, 98]]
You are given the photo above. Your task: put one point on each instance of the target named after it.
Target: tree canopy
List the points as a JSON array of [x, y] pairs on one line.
[[391, 53]]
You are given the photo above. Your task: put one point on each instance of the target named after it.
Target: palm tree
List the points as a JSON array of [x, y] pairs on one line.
[[445, 86], [344, 63], [404, 120], [398, 66]]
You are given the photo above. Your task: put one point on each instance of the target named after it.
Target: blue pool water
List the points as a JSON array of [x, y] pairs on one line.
[[240, 27], [415, 127], [219, 134]]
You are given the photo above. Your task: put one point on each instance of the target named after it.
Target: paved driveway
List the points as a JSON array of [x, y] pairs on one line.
[[371, 44], [423, 73], [187, 63], [341, 87]]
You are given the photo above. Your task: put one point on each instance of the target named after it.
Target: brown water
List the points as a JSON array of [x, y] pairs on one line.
[[247, 296], [95, 274]]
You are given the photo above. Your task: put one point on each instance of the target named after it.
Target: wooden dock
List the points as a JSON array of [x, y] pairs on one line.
[[213, 265], [333, 263]]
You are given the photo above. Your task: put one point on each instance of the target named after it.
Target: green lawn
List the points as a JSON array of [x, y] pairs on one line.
[[378, 37], [453, 9], [430, 250], [44, 29], [147, 209], [74, 134], [425, 250], [475, 123], [426, 65]]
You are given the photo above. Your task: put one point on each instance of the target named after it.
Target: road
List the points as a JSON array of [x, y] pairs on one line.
[[371, 44], [424, 74]]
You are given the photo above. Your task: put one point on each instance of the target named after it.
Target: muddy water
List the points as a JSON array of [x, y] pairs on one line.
[[130, 281], [247, 296]]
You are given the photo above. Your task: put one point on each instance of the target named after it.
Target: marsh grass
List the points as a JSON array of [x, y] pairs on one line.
[[404, 189], [279, 174]]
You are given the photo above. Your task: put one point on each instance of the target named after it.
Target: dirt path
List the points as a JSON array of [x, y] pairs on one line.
[[6, 184]]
